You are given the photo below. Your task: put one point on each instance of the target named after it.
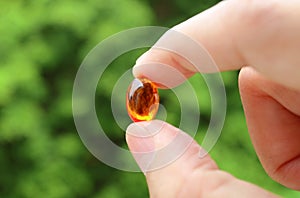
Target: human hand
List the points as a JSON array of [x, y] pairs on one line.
[[262, 39]]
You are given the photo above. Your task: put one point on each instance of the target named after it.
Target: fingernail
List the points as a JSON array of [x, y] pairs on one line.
[[138, 130], [139, 138], [152, 127]]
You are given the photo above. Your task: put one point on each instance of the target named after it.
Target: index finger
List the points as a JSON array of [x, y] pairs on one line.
[[261, 34]]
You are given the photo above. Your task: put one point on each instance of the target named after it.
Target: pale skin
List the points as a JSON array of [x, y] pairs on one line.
[[262, 39]]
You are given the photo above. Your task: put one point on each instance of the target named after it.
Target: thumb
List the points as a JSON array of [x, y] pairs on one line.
[[172, 166]]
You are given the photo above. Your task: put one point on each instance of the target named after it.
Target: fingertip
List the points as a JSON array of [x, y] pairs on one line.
[[163, 75], [156, 132], [138, 138], [141, 145], [156, 144]]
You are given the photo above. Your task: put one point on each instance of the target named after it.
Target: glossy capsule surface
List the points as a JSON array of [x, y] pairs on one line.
[[142, 100]]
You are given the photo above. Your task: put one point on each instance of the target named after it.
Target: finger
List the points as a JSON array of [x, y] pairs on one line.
[[186, 176], [273, 118], [263, 34]]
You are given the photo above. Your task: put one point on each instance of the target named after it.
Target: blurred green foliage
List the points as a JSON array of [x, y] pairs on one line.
[[42, 44]]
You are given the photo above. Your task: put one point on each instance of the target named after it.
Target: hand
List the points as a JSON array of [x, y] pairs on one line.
[[262, 38]]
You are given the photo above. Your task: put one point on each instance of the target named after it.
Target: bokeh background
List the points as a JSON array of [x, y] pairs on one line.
[[42, 44]]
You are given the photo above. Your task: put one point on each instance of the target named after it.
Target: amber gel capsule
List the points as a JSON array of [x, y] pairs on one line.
[[142, 100]]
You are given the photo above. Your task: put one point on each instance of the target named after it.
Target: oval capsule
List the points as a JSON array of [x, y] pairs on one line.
[[142, 100]]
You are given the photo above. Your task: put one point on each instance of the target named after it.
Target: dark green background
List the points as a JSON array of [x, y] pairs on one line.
[[42, 44]]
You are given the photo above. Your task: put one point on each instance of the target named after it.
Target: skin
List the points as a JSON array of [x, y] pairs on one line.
[[262, 39]]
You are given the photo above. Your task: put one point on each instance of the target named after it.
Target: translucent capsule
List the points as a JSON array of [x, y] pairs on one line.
[[142, 100]]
